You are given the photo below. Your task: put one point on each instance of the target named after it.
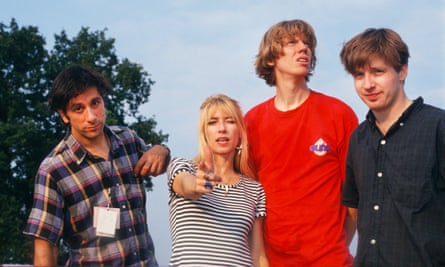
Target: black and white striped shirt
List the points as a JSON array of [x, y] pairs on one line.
[[214, 230]]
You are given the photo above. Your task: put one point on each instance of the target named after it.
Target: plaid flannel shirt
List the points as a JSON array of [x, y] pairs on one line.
[[71, 182]]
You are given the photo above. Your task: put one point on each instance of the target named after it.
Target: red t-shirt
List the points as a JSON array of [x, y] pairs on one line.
[[299, 156]]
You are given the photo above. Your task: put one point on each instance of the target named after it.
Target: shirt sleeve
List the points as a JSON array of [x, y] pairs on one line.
[[261, 207], [140, 143], [441, 151], [350, 195], [176, 166], [350, 123], [46, 218]]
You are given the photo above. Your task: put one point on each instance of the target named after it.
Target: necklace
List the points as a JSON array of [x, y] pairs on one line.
[[226, 186]]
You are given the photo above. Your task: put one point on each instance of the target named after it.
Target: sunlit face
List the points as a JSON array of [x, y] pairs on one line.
[[86, 115], [379, 85], [222, 133], [295, 59]]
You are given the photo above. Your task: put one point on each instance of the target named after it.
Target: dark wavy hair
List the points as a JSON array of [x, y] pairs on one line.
[[73, 81]]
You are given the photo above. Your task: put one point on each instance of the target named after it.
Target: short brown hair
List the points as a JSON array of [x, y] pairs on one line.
[[383, 43]]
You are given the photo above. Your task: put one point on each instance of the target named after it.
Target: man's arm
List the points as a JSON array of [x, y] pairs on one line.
[[351, 223], [45, 253], [153, 162]]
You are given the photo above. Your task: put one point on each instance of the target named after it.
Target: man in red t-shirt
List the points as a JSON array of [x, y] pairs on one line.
[[298, 144]]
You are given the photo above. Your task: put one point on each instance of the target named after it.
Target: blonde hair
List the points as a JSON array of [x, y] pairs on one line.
[[231, 107]]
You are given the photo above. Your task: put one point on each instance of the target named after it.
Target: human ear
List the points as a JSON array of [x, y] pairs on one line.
[[63, 116], [403, 72]]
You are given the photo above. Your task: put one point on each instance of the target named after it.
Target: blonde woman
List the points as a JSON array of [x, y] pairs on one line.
[[216, 209]]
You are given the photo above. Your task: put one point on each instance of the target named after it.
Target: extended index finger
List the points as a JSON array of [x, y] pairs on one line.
[[208, 159]]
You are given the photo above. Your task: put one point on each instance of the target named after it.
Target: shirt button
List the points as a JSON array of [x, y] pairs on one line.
[[380, 174], [123, 206], [129, 229], [376, 207], [402, 124], [372, 242], [383, 142]]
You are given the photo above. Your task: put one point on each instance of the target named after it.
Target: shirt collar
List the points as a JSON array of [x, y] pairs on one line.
[[414, 106], [78, 152]]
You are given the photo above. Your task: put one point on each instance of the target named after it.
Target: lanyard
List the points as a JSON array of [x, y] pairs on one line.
[[108, 196]]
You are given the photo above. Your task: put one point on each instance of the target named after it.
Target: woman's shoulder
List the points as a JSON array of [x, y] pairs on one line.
[[250, 181]]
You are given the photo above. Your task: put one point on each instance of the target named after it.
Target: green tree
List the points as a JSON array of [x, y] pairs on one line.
[[29, 130]]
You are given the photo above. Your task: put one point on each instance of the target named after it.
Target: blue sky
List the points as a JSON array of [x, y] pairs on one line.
[[194, 49]]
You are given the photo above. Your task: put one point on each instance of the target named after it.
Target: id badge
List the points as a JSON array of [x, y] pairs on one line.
[[106, 221]]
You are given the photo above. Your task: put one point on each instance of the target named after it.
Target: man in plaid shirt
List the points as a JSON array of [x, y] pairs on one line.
[[89, 190]]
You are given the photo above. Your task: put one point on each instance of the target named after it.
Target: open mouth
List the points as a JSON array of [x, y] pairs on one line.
[[222, 140]]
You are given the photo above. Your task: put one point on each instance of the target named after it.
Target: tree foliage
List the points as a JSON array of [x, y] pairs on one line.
[[29, 130]]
